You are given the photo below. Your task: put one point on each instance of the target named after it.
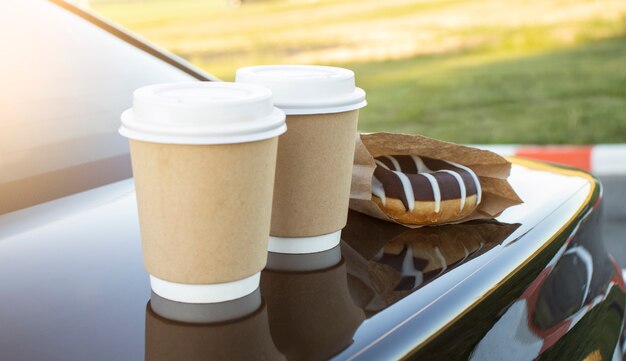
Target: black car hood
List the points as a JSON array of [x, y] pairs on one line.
[[74, 286]]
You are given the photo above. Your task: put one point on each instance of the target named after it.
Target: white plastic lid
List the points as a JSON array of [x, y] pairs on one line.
[[307, 89], [202, 113]]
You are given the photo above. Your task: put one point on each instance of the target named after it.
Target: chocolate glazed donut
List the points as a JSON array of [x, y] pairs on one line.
[[423, 191]]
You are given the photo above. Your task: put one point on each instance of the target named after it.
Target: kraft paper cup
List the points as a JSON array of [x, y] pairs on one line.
[[314, 166], [203, 157]]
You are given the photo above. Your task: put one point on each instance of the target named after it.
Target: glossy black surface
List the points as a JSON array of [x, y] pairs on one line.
[[74, 287], [566, 304]]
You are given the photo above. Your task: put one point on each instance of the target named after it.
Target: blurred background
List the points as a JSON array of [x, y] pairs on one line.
[[468, 71]]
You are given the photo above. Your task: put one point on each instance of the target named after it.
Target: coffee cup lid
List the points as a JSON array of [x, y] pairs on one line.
[[307, 89], [202, 113]]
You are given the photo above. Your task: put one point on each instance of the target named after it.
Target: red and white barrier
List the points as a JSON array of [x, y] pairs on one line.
[[601, 159]]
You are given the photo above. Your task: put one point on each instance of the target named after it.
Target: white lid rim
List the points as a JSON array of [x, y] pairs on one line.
[[273, 127], [204, 140], [352, 101], [356, 96]]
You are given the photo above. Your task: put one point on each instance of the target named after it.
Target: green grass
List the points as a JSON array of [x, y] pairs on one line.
[[575, 95], [471, 71]]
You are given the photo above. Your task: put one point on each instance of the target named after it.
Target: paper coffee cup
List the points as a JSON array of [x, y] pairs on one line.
[[203, 157], [314, 166]]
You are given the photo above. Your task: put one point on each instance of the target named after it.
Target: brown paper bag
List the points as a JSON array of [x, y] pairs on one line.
[[491, 169]]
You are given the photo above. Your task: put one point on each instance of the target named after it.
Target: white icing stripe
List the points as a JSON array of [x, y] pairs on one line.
[[408, 189], [436, 191], [395, 163], [378, 190], [474, 177], [419, 164], [381, 164], [459, 180], [442, 259]]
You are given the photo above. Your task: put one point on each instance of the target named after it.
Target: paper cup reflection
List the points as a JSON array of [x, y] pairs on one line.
[[311, 313], [208, 333]]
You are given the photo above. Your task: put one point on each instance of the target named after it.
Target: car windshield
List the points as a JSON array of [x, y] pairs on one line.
[[65, 84]]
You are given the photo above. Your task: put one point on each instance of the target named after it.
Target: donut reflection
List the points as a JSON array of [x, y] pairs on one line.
[[233, 330], [311, 313], [387, 261]]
